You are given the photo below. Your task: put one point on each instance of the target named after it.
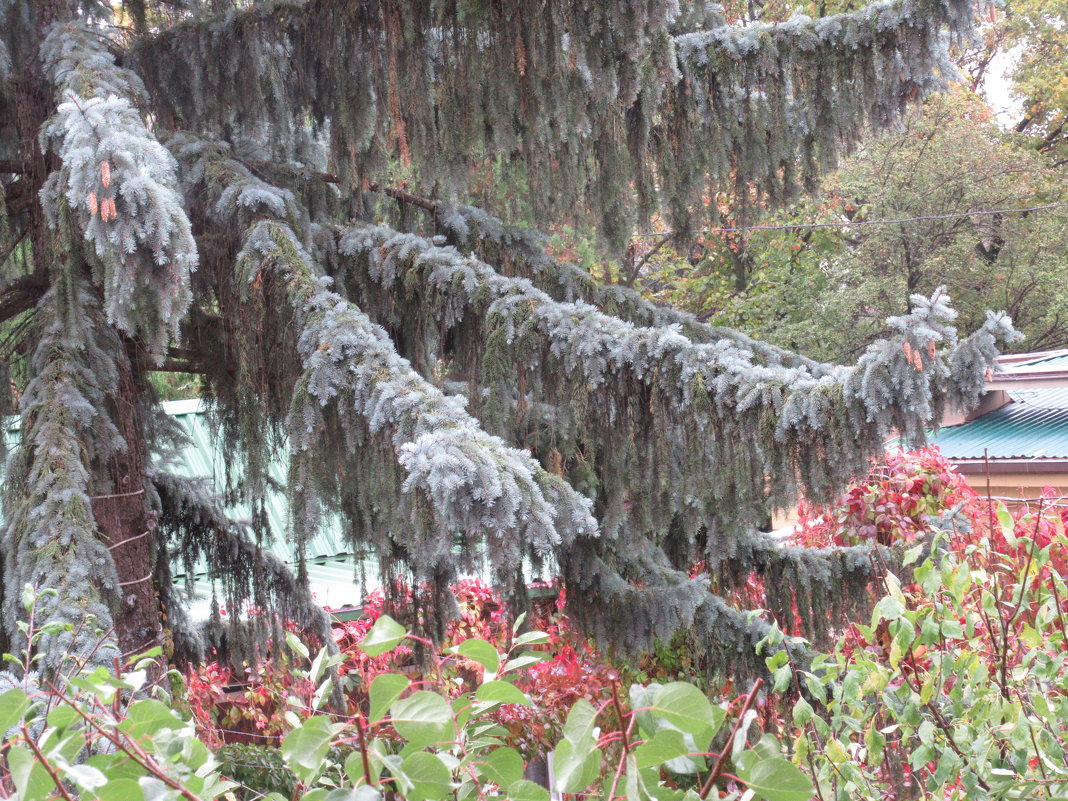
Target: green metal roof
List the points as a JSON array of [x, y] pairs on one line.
[[1034, 425], [332, 567], [205, 456]]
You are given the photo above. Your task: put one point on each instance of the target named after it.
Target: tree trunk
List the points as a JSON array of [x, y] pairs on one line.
[[125, 521], [123, 518]]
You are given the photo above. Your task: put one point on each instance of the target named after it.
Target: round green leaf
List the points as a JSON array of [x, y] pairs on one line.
[[120, 790], [430, 778], [385, 635], [385, 689], [63, 717], [30, 778], [423, 718], [666, 745], [501, 692], [778, 779], [13, 704], [685, 707], [503, 766], [480, 651], [531, 638], [581, 721], [524, 790], [147, 717], [305, 747], [575, 767]]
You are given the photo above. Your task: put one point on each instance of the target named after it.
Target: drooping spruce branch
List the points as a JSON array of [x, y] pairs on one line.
[[120, 184], [50, 539], [630, 568], [354, 387], [260, 592], [519, 251], [445, 477], [590, 101], [665, 421], [627, 595]]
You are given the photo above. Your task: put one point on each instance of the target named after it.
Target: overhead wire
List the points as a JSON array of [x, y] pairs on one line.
[[855, 223]]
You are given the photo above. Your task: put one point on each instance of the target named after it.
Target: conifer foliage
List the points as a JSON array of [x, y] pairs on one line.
[[204, 186]]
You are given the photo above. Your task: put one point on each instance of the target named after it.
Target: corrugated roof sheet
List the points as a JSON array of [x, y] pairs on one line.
[[331, 565], [205, 456], [1033, 426], [1048, 362]]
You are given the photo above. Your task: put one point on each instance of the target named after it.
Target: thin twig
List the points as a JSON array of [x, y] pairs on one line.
[[131, 749], [717, 769], [363, 750], [44, 763]]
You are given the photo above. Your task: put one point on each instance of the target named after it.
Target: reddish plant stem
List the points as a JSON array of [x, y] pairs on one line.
[[622, 760], [45, 764], [362, 735], [717, 769], [623, 723]]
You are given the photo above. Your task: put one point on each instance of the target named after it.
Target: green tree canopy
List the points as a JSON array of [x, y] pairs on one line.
[[948, 160]]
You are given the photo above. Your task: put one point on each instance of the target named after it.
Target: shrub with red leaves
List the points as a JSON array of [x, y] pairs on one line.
[[891, 504]]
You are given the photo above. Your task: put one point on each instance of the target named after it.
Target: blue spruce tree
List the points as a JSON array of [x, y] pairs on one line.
[[205, 186]]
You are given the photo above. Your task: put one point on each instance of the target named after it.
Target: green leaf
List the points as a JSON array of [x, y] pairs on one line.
[[524, 790], [574, 767], [1008, 525], [479, 651], [501, 692], [120, 790], [581, 721], [430, 779], [147, 717], [29, 597], [875, 742], [30, 777], [685, 707], [503, 766], [531, 638], [305, 747], [525, 660], [385, 689], [888, 608], [295, 645], [423, 718], [361, 793], [637, 782], [665, 745], [777, 779], [86, 776], [385, 635], [354, 767], [13, 705], [62, 717], [802, 712], [912, 555]]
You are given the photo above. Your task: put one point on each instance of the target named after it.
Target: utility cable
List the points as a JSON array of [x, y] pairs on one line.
[[855, 223]]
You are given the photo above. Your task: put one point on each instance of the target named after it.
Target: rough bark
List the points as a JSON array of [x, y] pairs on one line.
[[125, 521]]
